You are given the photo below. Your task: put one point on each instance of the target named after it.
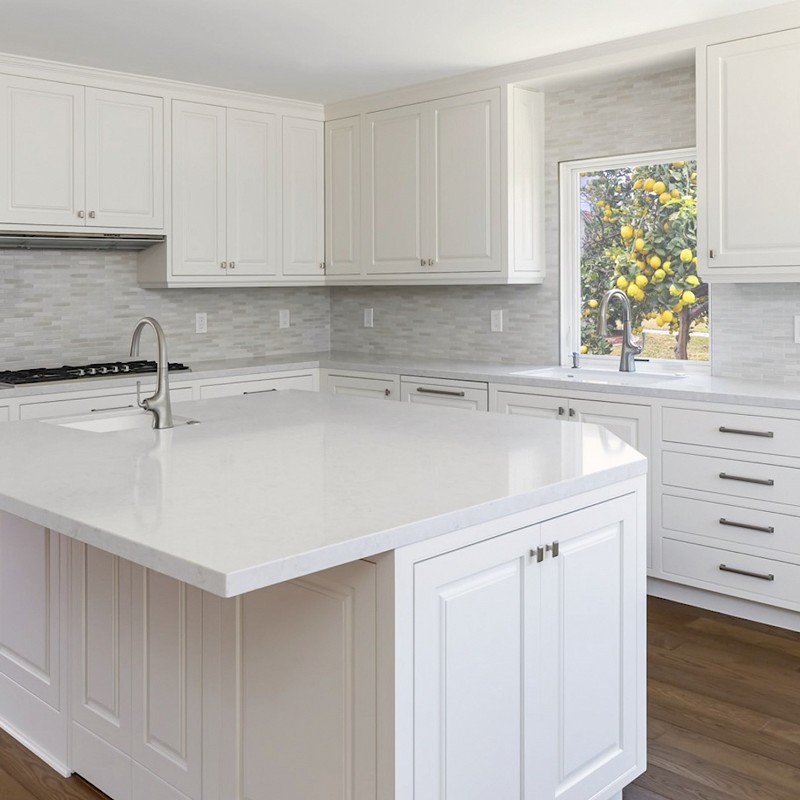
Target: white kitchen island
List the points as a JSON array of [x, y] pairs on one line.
[[309, 597]]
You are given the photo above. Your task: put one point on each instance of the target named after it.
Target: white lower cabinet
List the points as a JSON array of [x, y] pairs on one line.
[[470, 395], [363, 384], [523, 662], [258, 384]]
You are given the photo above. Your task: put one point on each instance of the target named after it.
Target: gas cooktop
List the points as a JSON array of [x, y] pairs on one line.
[[68, 373]]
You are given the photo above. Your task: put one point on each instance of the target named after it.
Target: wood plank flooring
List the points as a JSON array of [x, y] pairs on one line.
[[723, 708], [723, 716]]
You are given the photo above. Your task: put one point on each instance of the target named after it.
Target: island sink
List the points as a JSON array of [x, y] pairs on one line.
[[109, 423]]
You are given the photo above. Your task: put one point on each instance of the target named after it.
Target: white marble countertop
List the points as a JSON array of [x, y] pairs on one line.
[[694, 387], [269, 487]]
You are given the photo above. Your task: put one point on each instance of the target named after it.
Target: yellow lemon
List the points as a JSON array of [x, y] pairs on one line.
[[687, 298], [659, 276], [638, 232], [692, 280], [674, 290], [677, 308], [686, 255], [640, 265], [632, 289], [639, 244], [638, 184], [659, 187], [641, 281], [584, 349], [593, 303], [667, 267], [664, 198], [675, 193], [622, 282], [649, 184], [655, 262], [678, 164], [666, 315], [660, 321], [626, 231]]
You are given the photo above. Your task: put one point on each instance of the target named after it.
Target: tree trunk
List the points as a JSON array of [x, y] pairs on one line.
[[682, 339]]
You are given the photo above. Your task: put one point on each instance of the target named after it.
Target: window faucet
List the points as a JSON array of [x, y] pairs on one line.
[[158, 404], [630, 349]]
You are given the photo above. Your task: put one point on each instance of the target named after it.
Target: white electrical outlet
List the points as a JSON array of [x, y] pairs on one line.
[[797, 329], [497, 321], [201, 322], [367, 317], [284, 318]]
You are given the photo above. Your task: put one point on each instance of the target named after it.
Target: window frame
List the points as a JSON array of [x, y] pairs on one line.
[[569, 173]]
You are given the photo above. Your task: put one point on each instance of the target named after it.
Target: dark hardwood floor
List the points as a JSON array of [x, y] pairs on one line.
[[723, 708]]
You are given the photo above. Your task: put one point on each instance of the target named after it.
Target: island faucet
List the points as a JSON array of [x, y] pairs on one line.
[[630, 349], [158, 404]]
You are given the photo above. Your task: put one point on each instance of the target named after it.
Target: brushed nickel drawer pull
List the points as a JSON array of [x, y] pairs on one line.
[[768, 577], [552, 548], [765, 434], [260, 391], [747, 526], [447, 392], [760, 481], [110, 408]]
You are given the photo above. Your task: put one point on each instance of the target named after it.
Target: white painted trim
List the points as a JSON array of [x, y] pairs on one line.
[[569, 249]]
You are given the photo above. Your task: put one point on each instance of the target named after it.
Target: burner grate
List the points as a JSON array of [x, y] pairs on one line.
[[69, 373]]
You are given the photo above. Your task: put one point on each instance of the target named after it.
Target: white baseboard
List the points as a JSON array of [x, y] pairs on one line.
[[59, 766]]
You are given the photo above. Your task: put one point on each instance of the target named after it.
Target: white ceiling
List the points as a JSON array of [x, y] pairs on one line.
[[327, 50]]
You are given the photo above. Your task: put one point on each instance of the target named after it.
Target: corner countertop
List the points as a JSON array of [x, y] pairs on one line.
[[693, 387], [269, 487]]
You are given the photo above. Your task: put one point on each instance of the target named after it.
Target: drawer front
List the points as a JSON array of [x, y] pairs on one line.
[[256, 386], [452, 394], [351, 386], [744, 479], [763, 529], [87, 405], [747, 432], [766, 580]]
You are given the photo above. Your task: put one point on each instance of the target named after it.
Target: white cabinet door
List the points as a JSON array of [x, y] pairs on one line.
[[124, 160], [542, 406], [592, 607], [386, 387], [253, 243], [626, 420], [41, 152], [395, 202], [343, 196], [753, 158], [303, 198], [465, 222], [198, 189], [476, 661]]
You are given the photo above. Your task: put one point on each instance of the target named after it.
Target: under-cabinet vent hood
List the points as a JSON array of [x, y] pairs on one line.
[[49, 240]]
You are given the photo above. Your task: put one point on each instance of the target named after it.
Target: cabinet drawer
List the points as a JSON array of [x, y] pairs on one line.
[[745, 479], [256, 386], [472, 395], [769, 581], [86, 405], [764, 529], [747, 432], [361, 386]]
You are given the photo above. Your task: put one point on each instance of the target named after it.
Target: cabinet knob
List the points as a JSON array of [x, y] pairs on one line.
[[561, 411], [422, 262], [231, 265], [712, 254], [387, 392], [430, 262], [81, 214], [322, 265], [92, 215], [572, 412], [223, 265]]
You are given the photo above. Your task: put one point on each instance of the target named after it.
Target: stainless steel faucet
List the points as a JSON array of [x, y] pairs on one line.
[[630, 349], [158, 404]]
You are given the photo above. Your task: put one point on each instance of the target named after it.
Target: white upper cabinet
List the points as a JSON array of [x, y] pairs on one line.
[[225, 192], [303, 197], [80, 157], [343, 196], [451, 191], [752, 159]]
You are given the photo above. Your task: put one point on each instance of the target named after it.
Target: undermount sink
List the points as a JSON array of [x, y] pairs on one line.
[[606, 376], [108, 423]]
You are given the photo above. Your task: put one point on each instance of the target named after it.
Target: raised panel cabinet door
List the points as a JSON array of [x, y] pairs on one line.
[[303, 197], [343, 196], [167, 679], [395, 201], [630, 422], [466, 166], [476, 663], [124, 160], [753, 158], [198, 189], [101, 669], [253, 195], [593, 616], [300, 675], [41, 152]]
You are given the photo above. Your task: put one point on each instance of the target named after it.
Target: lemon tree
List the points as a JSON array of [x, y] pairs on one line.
[[639, 234]]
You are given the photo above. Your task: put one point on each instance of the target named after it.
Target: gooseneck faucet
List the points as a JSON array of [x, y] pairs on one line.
[[630, 349], [158, 404]]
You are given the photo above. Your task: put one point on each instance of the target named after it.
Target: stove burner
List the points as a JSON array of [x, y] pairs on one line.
[[69, 373]]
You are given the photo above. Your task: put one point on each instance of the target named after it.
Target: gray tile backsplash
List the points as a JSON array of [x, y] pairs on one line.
[[74, 307]]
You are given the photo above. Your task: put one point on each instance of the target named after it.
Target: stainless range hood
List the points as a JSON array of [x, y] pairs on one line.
[[49, 240]]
